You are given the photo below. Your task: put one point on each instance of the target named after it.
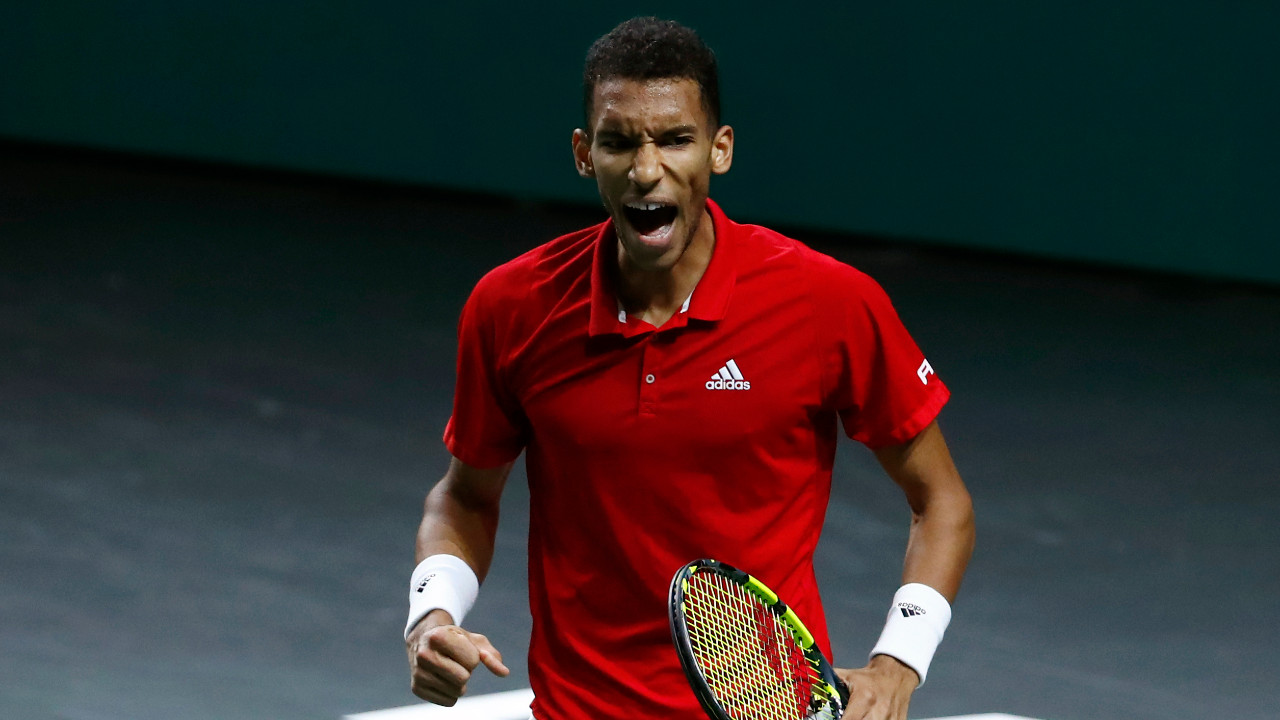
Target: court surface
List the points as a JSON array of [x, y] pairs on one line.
[[221, 396], [514, 705]]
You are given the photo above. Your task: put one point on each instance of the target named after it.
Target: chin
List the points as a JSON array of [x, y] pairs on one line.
[[650, 256]]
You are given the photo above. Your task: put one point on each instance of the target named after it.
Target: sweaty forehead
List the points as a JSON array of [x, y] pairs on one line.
[[632, 105]]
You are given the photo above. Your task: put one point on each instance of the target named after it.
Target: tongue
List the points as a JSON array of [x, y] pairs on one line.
[[649, 221]]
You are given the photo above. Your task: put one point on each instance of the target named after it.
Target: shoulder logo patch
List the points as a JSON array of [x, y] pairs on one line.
[[728, 377], [925, 371]]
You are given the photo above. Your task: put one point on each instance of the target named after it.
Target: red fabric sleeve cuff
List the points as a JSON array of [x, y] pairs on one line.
[[477, 457], [919, 420]]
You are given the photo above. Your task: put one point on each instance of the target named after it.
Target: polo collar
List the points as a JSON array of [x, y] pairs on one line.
[[708, 302], [622, 311]]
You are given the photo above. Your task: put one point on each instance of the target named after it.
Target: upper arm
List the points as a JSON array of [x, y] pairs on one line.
[[487, 426], [875, 376], [942, 530], [474, 487], [923, 468]]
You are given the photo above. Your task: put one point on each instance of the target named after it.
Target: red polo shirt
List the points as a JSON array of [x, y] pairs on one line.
[[712, 436]]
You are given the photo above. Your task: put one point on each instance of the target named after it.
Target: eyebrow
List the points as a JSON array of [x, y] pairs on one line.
[[677, 130]]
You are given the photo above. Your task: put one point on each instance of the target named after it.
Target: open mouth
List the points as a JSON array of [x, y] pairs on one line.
[[650, 219]]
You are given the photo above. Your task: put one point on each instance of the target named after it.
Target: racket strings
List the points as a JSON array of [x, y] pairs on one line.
[[748, 656]]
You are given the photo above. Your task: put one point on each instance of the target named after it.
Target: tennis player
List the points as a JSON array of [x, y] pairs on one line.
[[676, 381]]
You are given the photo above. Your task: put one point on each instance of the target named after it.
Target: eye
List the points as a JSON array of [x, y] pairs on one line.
[[614, 143], [681, 140]]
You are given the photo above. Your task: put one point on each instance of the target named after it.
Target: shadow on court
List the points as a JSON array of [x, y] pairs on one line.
[[222, 398]]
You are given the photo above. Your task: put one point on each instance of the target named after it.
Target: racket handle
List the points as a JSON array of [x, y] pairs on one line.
[[844, 692]]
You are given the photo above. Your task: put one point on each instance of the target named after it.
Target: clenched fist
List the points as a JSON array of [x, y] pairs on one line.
[[442, 657]]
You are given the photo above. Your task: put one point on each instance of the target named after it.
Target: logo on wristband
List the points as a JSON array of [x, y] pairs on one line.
[[423, 585], [909, 610]]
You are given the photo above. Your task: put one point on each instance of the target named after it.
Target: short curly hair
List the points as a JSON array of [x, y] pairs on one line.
[[647, 48]]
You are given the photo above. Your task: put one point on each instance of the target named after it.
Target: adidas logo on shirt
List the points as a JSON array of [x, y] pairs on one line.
[[728, 377]]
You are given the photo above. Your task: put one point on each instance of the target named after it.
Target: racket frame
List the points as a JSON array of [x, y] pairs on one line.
[[835, 688]]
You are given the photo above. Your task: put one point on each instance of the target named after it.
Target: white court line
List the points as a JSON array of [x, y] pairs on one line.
[[514, 705], [510, 705]]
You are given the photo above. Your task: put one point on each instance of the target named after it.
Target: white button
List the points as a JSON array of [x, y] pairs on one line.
[[649, 378]]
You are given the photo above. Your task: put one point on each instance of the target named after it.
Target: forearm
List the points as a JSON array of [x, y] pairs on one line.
[[940, 543], [460, 517]]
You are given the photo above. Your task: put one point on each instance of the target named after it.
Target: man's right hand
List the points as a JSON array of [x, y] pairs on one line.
[[442, 657]]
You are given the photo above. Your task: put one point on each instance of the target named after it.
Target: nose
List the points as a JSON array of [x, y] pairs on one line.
[[646, 166]]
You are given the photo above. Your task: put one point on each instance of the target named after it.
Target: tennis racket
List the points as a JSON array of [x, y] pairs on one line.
[[746, 654]]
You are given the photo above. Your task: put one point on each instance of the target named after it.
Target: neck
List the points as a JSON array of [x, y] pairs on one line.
[[656, 295]]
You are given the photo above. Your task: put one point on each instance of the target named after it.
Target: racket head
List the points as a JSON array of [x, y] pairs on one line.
[[746, 654]]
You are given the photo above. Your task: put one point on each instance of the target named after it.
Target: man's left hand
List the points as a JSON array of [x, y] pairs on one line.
[[880, 691]]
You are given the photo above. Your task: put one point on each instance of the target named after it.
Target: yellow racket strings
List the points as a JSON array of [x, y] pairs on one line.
[[749, 658]]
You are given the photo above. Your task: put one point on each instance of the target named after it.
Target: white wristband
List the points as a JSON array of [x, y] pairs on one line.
[[441, 582], [917, 621]]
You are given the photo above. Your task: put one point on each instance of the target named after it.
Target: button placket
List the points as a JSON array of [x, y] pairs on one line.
[[649, 378]]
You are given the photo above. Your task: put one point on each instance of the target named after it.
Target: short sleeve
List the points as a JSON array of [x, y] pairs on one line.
[[487, 427], [884, 389]]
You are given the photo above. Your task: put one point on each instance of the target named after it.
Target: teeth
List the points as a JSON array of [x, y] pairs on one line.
[[645, 206]]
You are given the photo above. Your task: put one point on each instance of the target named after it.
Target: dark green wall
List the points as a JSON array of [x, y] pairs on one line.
[[1135, 133]]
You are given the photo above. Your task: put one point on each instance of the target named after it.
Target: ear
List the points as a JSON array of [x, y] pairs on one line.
[[582, 154], [722, 150]]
